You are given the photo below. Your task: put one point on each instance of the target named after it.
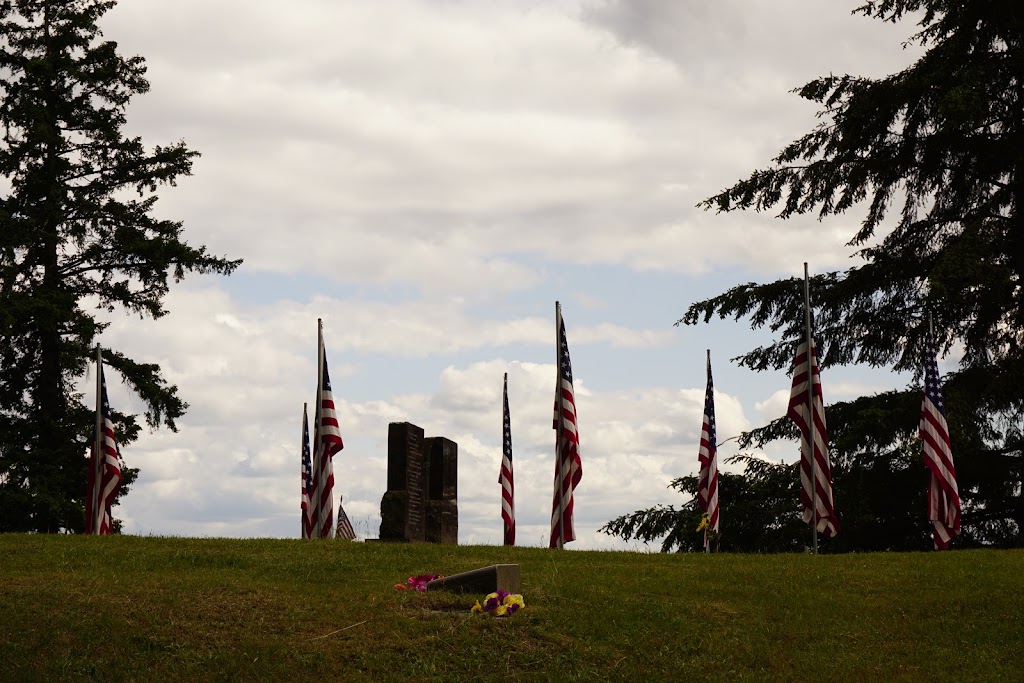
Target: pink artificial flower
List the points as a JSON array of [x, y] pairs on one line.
[[419, 583]]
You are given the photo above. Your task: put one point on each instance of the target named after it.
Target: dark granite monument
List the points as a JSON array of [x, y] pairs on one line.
[[421, 503], [442, 490]]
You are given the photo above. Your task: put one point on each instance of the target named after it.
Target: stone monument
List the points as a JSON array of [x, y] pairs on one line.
[[421, 502], [442, 490]]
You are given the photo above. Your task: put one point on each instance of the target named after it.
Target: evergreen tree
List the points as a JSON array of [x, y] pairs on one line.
[[77, 235], [760, 513], [934, 158]]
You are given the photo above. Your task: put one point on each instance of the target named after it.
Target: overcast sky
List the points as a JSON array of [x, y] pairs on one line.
[[429, 177]]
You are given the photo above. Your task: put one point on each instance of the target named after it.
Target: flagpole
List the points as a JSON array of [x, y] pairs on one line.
[[559, 466], [97, 448], [302, 470], [317, 455], [810, 412], [707, 547], [501, 476]]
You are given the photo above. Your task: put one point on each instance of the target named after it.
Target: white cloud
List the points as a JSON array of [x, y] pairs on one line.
[[232, 469], [774, 406], [428, 177], [439, 145]]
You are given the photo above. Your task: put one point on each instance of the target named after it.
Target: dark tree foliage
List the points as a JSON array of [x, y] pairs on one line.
[[933, 158], [77, 235], [760, 513]]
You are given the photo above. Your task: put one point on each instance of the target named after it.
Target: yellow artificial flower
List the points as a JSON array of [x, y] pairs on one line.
[[515, 600], [500, 610], [704, 522], [489, 596], [477, 607]]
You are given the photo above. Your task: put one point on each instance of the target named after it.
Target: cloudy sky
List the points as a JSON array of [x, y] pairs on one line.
[[429, 177]]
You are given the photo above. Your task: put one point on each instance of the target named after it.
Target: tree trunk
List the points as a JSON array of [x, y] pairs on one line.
[[49, 391]]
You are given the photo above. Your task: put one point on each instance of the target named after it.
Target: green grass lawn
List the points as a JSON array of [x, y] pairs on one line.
[[161, 609]]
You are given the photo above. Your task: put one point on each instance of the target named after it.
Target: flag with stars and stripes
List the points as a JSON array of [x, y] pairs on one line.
[[104, 478], [326, 443], [345, 529], [707, 486], [943, 495], [568, 466], [307, 479], [508, 506], [813, 441]]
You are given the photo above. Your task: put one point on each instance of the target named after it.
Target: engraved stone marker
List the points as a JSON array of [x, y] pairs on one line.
[[442, 491], [402, 515], [421, 503]]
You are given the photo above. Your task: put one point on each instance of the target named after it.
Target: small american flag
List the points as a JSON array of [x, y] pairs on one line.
[[707, 486], [104, 478], [326, 442], [508, 507], [307, 479], [568, 466], [345, 529], [815, 447], [943, 496]]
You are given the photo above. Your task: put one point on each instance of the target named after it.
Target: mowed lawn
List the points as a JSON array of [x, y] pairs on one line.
[[164, 609]]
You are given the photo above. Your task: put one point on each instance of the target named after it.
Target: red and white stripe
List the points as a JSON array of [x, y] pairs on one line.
[[568, 466], [345, 529], [104, 478], [815, 446], [306, 477], [707, 483], [505, 478], [326, 442], [943, 494]]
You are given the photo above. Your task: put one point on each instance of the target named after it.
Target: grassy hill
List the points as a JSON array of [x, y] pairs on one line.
[[159, 609]]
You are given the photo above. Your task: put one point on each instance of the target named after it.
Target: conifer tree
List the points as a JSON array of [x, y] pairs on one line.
[[932, 158], [78, 234], [760, 507]]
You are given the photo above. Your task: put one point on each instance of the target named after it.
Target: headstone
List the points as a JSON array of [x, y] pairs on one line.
[[484, 580], [444, 460], [421, 503], [402, 512], [442, 490]]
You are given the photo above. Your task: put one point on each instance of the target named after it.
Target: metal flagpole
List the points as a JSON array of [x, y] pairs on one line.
[[559, 461], [707, 546], [810, 413], [501, 477], [97, 448], [317, 419], [302, 468]]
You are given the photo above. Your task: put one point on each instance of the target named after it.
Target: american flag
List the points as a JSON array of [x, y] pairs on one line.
[[943, 496], [508, 506], [104, 479], [307, 479], [568, 466], [707, 487], [326, 442], [345, 529], [825, 516]]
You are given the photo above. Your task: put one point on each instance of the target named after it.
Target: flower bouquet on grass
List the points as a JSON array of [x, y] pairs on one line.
[[417, 583], [500, 604]]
